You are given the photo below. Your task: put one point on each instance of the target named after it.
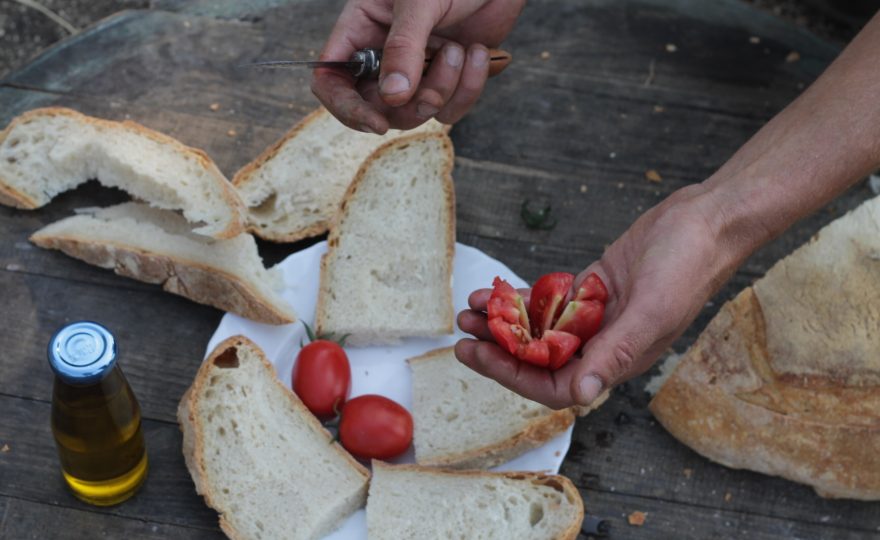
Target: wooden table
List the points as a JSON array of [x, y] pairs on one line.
[[600, 91]]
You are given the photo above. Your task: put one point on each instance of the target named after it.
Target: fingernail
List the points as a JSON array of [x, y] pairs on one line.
[[479, 57], [426, 110], [394, 83], [590, 387], [453, 55], [367, 129]]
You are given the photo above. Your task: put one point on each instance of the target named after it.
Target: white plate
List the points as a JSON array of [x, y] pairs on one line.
[[379, 370]]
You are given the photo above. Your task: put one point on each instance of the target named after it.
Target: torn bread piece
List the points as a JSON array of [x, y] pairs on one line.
[[157, 246], [409, 501], [258, 456], [785, 379], [293, 189], [465, 420], [387, 273], [45, 152]]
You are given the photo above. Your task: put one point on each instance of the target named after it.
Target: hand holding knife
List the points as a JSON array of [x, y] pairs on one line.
[[366, 63]]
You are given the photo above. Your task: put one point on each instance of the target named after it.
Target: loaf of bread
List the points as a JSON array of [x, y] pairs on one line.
[[258, 456], [293, 189], [157, 246], [45, 152], [387, 273], [412, 502], [785, 380], [465, 420]]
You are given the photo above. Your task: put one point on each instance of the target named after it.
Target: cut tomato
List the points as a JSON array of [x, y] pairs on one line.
[[556, 323]]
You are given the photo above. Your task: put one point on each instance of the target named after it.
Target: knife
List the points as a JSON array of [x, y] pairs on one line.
[[365, 63]]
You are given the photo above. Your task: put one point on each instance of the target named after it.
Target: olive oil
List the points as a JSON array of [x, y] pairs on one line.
[[96, 420]]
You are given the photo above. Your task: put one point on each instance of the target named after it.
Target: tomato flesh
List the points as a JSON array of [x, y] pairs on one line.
[[375, 427], [322, 378], [556, 323]]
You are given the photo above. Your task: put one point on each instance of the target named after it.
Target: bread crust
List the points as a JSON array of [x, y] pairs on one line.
[[725, 401], [555, 481], [245, 175], [190, 279], [536, 432], [234, 227], [449, 192], [193, 438]]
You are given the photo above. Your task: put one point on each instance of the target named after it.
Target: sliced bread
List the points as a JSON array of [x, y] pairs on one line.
[[293, 189], [258, 456], [465, 420], [412, 502], [387, 273], [157, 246], [785, 379], [45, 152]]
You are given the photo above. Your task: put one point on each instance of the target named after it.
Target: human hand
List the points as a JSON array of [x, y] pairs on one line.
[[659, 275], [403, 97]]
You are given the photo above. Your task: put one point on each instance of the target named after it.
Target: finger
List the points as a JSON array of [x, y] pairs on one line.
[[473, 78], [403, 57], [439, 82], [479, 299], [476, 324], [336, 91], [529, 381], [621, 350]]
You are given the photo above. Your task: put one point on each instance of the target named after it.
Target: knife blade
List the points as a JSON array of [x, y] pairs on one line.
[[365, 63]]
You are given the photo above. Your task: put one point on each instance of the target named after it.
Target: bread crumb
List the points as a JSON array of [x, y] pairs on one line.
[[290, 105], [186, 24], [620, 185], [584, 188], [792, 57], [311, 53], [688, 473], [214, 107], [754, 40], [671, 48], [659, 108], [12, 267], [557, 453], [5, 448], [653, 176], [545, 55], [232, 133], [637, 519], [728, 497]]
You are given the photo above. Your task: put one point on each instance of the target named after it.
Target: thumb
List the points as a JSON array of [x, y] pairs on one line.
[[623, 349], [403, 57]]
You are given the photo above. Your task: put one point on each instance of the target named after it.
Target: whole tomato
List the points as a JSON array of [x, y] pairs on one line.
[[322, 378], [374, 427]]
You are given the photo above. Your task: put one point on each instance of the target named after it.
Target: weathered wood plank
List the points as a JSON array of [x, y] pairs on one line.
[[30, 470], [28, 519]]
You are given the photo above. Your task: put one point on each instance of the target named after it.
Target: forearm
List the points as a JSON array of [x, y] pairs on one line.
[[822, 143]]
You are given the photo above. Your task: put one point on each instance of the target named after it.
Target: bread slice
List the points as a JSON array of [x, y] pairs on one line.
[[45, 152], [293, 189], [465, 420], [258, 456], [412, 502], [785, 380], [387, 273], [157, 246]]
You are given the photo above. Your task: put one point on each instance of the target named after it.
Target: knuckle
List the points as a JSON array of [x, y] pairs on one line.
[[622, 360]]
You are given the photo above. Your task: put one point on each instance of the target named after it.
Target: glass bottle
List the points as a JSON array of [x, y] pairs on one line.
[[96, 420]]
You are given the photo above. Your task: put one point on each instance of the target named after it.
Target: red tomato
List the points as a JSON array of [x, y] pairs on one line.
[[556, 323], [374, 427], [322, 378]]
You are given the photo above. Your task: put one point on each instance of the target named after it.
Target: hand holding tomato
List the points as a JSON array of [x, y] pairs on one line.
[[659, 275]]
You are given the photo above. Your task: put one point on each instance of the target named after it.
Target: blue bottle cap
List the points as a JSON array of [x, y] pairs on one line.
[[82, 352]]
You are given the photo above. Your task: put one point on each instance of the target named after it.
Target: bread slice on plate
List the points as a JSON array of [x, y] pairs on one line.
[[387, 273], [157, 246], [785, 380], [45, 152], [412, 502], [465, 420], [258, 456], [293, 189]]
